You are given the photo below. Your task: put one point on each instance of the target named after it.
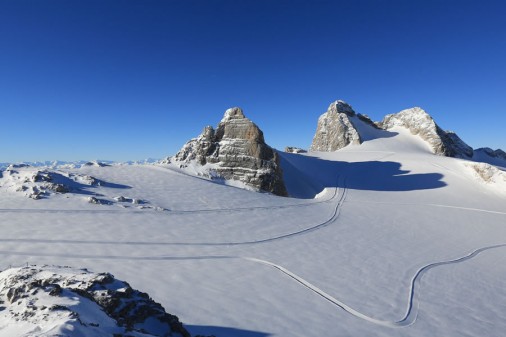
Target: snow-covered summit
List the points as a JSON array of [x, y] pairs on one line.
[[233, 113], [420, 123], [340, 126], [63, 301]]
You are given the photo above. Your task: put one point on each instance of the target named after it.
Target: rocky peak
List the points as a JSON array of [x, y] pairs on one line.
[[420, 123], [233, 113], [236, 150], [341, 107], [335, 128], [235, 125]]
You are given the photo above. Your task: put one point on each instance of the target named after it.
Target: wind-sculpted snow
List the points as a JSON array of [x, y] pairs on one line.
[[43, 183], [489, 174], [62, 301]]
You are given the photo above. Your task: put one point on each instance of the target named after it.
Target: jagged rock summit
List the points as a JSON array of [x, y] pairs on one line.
[[340, 126], [234, 151], [63, 301], [420, 123], [335, 129]]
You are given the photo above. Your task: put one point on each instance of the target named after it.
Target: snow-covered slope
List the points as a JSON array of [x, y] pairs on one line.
[[419, 122], [61, 301], [386, 239]]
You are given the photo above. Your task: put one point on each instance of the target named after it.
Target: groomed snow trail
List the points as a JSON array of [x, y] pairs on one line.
[[408, 319]]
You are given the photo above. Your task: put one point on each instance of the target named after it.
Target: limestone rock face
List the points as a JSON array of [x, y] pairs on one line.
[[419, 122], [335, 129], [235, 150]]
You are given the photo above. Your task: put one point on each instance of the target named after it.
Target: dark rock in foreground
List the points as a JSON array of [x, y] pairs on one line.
[[62, 301]]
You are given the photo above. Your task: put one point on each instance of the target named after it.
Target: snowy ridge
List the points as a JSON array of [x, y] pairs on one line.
[[420, 123]]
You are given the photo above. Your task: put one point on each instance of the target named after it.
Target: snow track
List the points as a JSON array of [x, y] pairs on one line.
[[335, 214], [408, 319], [168, 212], [428, 205]]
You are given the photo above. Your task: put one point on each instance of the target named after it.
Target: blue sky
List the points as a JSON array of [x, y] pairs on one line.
[[127, 80]]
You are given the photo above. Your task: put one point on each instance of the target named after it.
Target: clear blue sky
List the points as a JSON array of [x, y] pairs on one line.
[[127, 80]]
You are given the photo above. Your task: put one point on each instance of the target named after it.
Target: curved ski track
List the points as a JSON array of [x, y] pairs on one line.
[[332, 218], [412, 306]]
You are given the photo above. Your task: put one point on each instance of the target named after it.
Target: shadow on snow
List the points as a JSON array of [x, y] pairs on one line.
[[307, 176], [218, 331]]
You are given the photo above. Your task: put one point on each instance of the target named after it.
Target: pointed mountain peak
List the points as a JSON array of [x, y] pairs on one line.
[[335, 128], [340, 106], [235, 150]]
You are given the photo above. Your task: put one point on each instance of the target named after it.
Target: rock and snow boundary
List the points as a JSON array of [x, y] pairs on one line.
[[63, 301]]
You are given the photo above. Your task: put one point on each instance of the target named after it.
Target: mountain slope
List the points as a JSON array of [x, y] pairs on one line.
[[418, 122], [387, 233]]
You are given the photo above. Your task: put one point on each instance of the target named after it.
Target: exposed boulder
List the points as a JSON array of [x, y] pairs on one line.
[[420, 123], [62, 301], [235, 150], [335, 128]]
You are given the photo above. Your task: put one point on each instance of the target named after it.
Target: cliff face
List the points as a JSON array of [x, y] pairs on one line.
[[420, 123], [235, 150], [335, 129]]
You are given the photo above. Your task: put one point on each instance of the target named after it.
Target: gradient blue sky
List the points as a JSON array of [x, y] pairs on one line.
[[127, 80]]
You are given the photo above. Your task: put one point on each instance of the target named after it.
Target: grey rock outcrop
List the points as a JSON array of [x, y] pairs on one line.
[[66, 301], [335, 129], [235, 150], [293, 149], [420, 123]]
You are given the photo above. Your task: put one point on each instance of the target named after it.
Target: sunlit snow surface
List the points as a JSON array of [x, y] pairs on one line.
[[398, 242]]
